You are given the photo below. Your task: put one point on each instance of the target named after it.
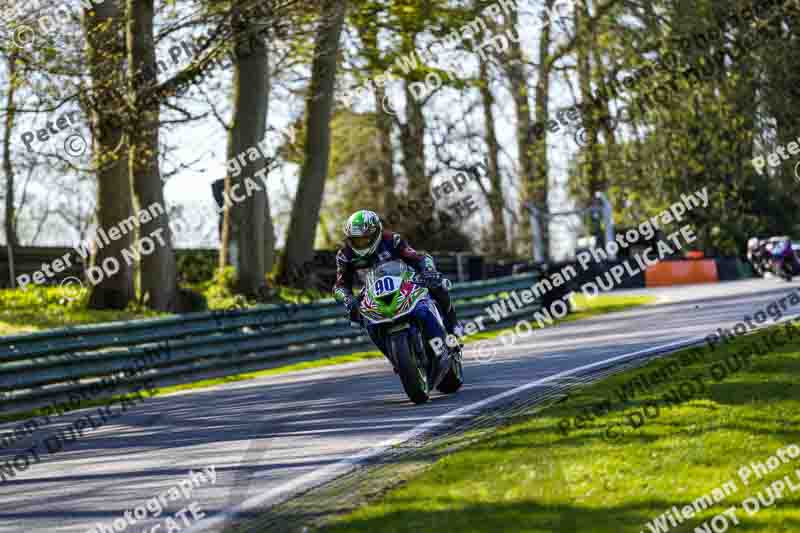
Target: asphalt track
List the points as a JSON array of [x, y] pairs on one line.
[[268, 438]]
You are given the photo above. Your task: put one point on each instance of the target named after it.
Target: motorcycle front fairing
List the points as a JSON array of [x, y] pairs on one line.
[[392, 299], [390, 292]]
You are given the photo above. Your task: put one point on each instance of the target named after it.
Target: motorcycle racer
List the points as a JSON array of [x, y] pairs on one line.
[[368, 244], [757, 255]]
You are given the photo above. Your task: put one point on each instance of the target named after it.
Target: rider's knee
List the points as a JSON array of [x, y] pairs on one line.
[[439, 293]]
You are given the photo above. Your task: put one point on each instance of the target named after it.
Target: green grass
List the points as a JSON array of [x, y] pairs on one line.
[[38, 308], [532, 477], [585, 307]]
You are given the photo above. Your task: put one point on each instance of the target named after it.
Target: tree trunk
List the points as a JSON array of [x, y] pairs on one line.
[[605, 119], [413, 139], [225, 234], [158, 277], [591, 163], [302, 230], [104, 26], [384, 125], [383, 121], [248, 218], [519, 93], [541, 168], [12, 239], [498, 239], [589, 118]]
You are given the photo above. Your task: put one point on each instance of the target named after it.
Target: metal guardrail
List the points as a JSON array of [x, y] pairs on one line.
[[65, 362]]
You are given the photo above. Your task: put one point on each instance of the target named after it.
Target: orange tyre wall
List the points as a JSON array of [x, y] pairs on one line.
[[681, 273]]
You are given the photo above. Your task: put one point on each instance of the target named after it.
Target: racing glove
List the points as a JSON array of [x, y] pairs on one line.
[[431, 278], [351, 304]]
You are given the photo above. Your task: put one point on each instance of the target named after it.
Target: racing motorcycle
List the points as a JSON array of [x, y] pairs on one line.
[[392, 299], [758, 256], [783, 259]]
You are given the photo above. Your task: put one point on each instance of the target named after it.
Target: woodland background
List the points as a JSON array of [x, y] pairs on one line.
[[160, 127]]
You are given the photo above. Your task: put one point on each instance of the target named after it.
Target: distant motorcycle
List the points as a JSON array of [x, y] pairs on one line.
[[783, 259]]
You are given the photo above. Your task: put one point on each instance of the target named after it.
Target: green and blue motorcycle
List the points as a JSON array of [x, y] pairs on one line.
[[393, 299]]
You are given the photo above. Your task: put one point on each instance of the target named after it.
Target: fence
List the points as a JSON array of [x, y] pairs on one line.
[[65, 363]]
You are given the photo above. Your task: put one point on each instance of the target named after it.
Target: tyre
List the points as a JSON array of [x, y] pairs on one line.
[[454, 378], [412, 373]]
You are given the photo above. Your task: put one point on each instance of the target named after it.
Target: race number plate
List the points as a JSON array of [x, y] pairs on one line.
[[385, 285]]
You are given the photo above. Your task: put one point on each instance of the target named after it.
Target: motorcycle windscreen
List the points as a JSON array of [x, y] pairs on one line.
[[390, 269]]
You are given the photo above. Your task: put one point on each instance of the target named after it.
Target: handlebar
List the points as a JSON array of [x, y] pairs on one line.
[[446, 284]]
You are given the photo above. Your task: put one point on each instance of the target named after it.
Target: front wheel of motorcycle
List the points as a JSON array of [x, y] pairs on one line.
[[412, 371]]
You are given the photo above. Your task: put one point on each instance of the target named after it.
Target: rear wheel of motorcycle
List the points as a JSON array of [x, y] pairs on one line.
[[454, 378], [412, 373]]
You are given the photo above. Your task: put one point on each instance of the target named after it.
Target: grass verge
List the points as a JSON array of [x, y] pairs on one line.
[[600, 464], [585, 307], [39, 307]]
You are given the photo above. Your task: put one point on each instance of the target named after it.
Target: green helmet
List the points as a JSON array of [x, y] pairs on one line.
[[363, 231]]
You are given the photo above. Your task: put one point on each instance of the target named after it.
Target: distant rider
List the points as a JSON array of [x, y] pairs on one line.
[[366, 245], [757, 254]]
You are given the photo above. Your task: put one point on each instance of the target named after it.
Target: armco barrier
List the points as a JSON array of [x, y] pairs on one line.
[[67, 362], [728, 268], [733, 268]]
